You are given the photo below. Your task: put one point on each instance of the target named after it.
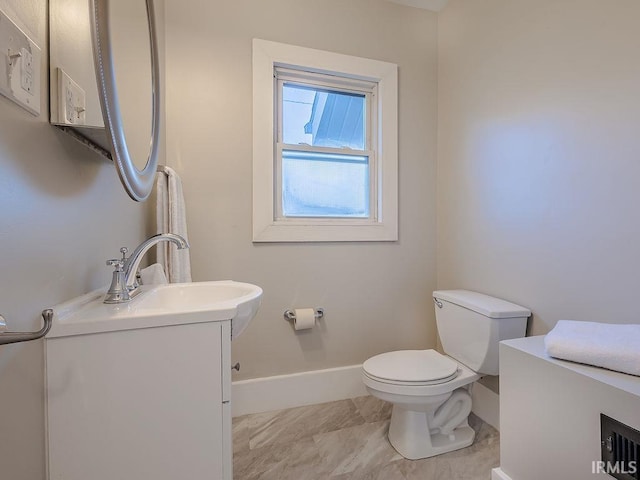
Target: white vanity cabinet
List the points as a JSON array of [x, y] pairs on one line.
[[147, 403]]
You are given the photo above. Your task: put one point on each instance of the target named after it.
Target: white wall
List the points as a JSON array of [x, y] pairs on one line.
[[376, 295], [539, 121], [63, 213]]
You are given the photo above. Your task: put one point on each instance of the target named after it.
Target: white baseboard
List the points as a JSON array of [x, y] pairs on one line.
[[498, 474], [296, 390], [486, 405], [318, 386]]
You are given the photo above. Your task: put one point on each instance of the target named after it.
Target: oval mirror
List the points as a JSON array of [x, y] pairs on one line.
[[126, 63]]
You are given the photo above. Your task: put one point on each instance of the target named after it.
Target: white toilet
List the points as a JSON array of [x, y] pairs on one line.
[[430, 392]]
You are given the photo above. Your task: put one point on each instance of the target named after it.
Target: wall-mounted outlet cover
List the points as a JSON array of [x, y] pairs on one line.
[[19, 66], [72, 101]]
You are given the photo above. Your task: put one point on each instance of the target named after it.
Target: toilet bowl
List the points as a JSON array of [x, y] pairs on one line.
[[431, 392], [434, 399]]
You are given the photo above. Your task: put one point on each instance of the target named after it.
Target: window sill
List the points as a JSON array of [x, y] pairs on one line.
[[296, 232]]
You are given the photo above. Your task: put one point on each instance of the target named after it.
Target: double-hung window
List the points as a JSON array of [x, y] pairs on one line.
[[325, 163], [325, 146]]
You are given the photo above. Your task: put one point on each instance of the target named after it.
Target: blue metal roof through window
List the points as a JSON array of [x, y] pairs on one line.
[[337, 120]]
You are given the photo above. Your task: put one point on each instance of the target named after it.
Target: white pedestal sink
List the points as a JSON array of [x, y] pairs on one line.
[[143, 389]]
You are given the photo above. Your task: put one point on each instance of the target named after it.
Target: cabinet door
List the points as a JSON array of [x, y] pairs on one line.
[[136, 404]]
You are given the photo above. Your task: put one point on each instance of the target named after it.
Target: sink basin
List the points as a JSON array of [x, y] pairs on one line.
[[186, 296], [160, 305], [204, 296]]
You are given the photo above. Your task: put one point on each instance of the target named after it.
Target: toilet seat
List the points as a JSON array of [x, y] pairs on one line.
[[411, 368], [464, 376]]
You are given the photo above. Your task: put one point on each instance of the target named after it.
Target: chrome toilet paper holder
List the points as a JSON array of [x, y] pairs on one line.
[[291, 315]]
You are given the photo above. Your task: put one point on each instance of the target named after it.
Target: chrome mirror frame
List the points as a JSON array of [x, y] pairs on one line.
[[137, 183]]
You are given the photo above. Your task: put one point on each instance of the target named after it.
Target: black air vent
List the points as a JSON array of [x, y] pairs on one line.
[[620, 449]]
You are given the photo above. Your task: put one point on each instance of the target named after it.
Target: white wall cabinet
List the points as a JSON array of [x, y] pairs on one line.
[[149, 403]]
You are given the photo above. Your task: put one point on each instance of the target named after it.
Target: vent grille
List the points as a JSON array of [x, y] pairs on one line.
[[620, 449]]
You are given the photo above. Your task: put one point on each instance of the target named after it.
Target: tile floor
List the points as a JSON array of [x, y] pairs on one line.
[[347, 439]]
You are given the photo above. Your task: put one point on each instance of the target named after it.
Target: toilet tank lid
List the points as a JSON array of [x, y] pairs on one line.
[[484, 304]]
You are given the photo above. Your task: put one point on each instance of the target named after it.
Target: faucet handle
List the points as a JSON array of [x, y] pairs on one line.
[[116, 262], [117, 292], [119, 262]]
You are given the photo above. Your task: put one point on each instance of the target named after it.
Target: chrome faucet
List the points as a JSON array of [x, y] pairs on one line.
[[132, 264], [123, 284]]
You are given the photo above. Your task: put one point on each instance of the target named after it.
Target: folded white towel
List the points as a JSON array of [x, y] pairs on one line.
[[607, 345], [153, 275]]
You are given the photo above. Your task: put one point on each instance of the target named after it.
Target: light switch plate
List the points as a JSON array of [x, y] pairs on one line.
[[19, 66], [72, 101]]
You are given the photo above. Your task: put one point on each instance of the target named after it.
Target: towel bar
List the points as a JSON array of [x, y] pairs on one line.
[[15, 337]]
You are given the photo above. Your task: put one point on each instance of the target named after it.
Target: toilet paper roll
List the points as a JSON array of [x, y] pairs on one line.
[[305, 318]]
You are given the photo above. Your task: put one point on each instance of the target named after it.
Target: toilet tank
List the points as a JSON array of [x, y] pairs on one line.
[[471, 325]]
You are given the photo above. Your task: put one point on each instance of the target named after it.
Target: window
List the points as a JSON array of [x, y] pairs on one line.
[[324, 146], [324, 158]]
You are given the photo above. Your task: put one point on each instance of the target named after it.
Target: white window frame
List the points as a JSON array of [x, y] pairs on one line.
[[268, 223]]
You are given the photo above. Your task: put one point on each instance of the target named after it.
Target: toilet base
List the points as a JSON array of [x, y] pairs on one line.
[[409, 435]]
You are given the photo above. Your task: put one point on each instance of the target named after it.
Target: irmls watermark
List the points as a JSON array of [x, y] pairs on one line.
[[600, 466]]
